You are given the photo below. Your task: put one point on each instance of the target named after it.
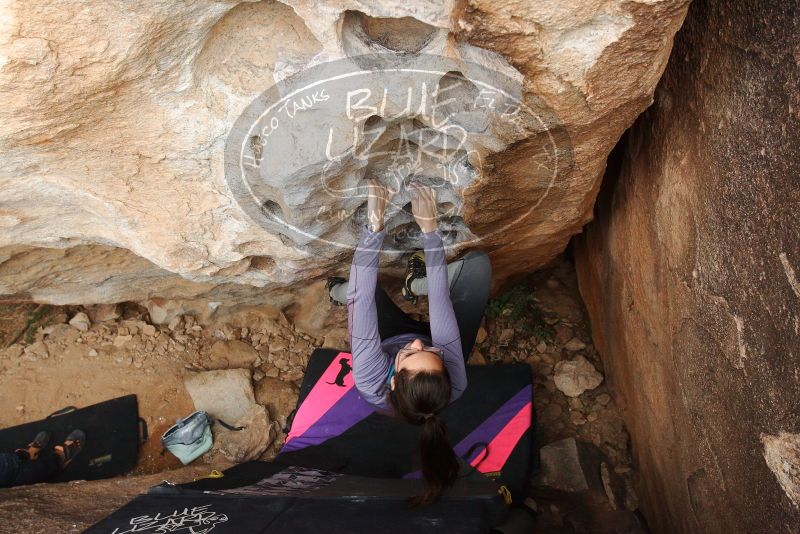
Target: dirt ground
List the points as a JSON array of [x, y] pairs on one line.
[[54, 364], [52, 360]]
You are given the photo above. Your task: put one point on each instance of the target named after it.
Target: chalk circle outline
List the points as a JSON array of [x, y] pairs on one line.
[[274, 96]]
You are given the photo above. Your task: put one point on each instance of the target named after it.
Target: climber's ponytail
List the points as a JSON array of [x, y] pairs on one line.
[[417, 398], [439, 464]]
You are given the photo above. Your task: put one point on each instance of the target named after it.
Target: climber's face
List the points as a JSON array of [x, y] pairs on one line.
[[415, 357]]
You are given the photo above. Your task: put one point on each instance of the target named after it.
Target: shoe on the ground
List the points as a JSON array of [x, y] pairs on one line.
[[76, 439], [330, 283], [415, 270], [40, 441]]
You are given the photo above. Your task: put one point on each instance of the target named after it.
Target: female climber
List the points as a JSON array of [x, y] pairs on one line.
[[404, 367]]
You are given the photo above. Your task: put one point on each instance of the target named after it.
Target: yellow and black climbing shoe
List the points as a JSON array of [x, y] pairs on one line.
[[415, 270]]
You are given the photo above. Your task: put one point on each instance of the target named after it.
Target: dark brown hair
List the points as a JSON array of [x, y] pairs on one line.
[[416, 398]]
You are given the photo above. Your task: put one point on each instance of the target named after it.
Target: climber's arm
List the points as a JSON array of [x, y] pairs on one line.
[[444, 327], [370, 364]]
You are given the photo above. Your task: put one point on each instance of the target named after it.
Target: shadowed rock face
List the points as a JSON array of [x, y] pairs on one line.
[[690, 275], [116, 115]]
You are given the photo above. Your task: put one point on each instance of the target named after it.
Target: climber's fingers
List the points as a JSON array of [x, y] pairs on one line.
[[376, 203], [423, 206]]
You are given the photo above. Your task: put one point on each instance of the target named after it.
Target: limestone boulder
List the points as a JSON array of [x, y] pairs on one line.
[[115, 119], [782, 454], [231, 354], [251, 442], [81, 322], [279, 397], [562, 468], [690, 273], [104, 312], [224, 394], [574, 377], [227, 395]]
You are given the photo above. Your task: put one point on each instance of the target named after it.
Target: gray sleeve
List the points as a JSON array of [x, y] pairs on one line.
[[370, 363], [444, 327]]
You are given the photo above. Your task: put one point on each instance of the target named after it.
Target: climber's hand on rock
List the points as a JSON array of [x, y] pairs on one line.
[[423, 206], [378, 198]]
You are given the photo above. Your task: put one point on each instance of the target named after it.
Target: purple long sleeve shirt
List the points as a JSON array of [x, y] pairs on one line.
[[373, 357]]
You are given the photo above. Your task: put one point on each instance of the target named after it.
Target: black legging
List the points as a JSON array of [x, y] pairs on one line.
[[18, 469], [469, 293]]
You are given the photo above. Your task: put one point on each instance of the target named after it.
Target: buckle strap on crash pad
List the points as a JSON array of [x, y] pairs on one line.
[[212, 474], [476, 446], [62, 411], [506, 494], [144, 435]]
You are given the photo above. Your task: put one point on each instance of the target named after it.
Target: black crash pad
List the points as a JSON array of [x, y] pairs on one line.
[[263, 497], [113, 436]]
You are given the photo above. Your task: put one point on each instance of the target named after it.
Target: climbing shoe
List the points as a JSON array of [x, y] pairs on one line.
[[34, 447], [40, 441], [72, 446], [332, 282], [415, 270]]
